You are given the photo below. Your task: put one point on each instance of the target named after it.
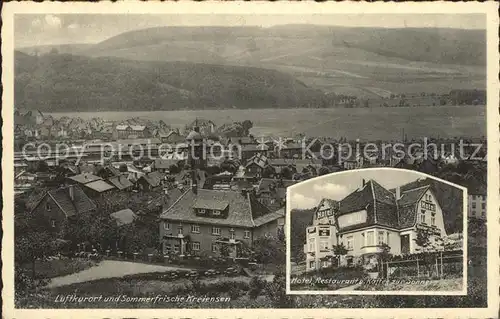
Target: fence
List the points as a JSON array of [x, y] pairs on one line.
[[438, 266]]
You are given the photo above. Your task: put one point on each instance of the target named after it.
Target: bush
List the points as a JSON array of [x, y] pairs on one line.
[[256, 286]]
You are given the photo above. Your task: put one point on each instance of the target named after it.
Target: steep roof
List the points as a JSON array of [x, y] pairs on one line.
[[85, 178], [267, 218], [121, 182], [99, 186], [242, 208], [193, 135], [78, 203], [153, 179], [124, 217], [381, 205]]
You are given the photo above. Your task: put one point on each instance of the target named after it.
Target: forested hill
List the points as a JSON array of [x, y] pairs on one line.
[[64, 82]]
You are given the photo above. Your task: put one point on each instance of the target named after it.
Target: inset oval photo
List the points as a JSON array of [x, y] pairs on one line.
[[377, 231]]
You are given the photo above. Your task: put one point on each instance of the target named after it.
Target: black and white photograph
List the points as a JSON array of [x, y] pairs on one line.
[[379, 230], [250, 156]]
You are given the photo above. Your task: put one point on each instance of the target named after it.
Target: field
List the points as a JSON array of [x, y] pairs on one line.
[[365, 124]]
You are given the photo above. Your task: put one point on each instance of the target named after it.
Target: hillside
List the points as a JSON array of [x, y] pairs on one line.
[[300, 219], [64, 82], [444, 46], [350, 61]]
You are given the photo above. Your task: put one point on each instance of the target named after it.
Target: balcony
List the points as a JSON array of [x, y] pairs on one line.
[[372, 249], [178, 236], [228, 241]]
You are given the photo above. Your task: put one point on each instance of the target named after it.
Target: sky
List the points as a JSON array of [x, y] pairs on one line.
[[337, 186], [42, 29]]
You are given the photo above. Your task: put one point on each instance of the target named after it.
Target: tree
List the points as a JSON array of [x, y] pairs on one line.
[[323, 170], [276, 291], [32, 242], [42, 166], [428, 242], [174, 169], [224, 251], [287, 172], [246, 125], [268, 172], [338, 251], [256, 285], [383, 257], [269, 250]]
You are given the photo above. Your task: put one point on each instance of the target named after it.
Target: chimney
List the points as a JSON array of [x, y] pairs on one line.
[[71, 192], [398, 193]]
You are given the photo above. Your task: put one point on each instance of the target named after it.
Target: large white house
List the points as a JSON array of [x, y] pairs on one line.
[[370, 218]]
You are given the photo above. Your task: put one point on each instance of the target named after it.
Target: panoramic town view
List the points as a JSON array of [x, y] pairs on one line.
[[379, 230], [152, 157]]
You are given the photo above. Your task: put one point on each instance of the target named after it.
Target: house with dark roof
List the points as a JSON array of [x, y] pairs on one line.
[[61, 204], [121, 182], [371, 217], [205, 126], [203, 220], [151, 181], [272, 192], [257, 164], [163, 165]]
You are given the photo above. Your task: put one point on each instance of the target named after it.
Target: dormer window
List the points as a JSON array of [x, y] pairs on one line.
[[202, 211], [216, 212], [48, 207]]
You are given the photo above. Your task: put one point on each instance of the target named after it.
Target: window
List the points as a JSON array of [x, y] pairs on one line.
[[231, 233], [387, 241], [473, 213], [53, 223], [176, 248], [215, 248], [380, 238], [433, 219], [473, 205], [422, 217], [483, 214], [201, 211], [168, 247], [48, 207], [350, 260], [311, 264], [323, 245], [324, 263], [370, 238], [195, 245], [483, 205], [216, 212], [195, 229], [166, 226], [350, 241], [247, 234], [179, 229], [215, 231], [312, 244]]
